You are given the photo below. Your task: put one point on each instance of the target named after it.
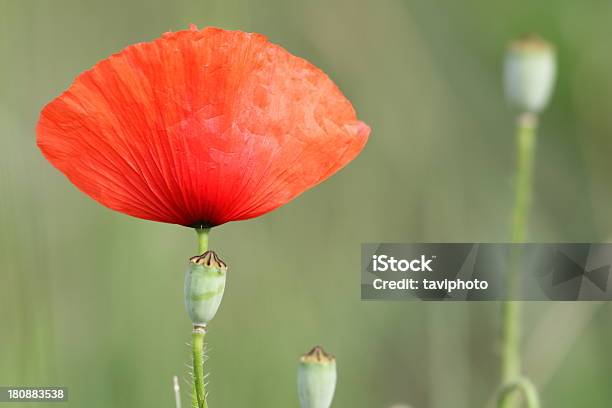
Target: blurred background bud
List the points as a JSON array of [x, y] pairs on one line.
[[529, 73], [316, 379], [204, 287]]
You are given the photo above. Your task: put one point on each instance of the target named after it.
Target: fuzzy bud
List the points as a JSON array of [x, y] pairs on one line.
[[316, 379], [530, 70], [204, 287]]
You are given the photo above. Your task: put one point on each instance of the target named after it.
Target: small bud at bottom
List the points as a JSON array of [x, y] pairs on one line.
[[316, 379]]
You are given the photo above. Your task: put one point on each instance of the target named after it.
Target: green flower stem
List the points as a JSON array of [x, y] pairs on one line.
[[529, 391], [511, 310], [202, 239], [526, 142], [197, 341], [194, 398]]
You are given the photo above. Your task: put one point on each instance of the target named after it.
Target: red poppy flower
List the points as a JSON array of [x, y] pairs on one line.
[[200, 128]]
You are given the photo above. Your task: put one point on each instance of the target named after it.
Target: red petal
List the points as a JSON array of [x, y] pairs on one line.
[[200, 127]]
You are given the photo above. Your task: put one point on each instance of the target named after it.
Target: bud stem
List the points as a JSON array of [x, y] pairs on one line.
[[511, 310], [197, 339], [526, 141], [530, 393]]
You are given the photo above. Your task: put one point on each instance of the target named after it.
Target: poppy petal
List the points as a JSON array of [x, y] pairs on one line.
[[200, 127]]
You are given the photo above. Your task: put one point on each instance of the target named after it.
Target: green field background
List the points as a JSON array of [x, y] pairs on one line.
[[92, 299]]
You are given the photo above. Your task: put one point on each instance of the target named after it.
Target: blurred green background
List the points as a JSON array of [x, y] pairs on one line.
[[92, 299]]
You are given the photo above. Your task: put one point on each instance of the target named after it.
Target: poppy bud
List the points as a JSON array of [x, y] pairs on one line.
[[316, 379], [529, 73], [204, 287]]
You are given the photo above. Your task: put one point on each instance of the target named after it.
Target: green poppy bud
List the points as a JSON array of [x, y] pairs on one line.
[[530, 69], [204, 287], [316, 379]]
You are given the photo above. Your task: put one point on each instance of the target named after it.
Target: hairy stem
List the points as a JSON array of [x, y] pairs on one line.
[[197, 340], [511, 310]]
